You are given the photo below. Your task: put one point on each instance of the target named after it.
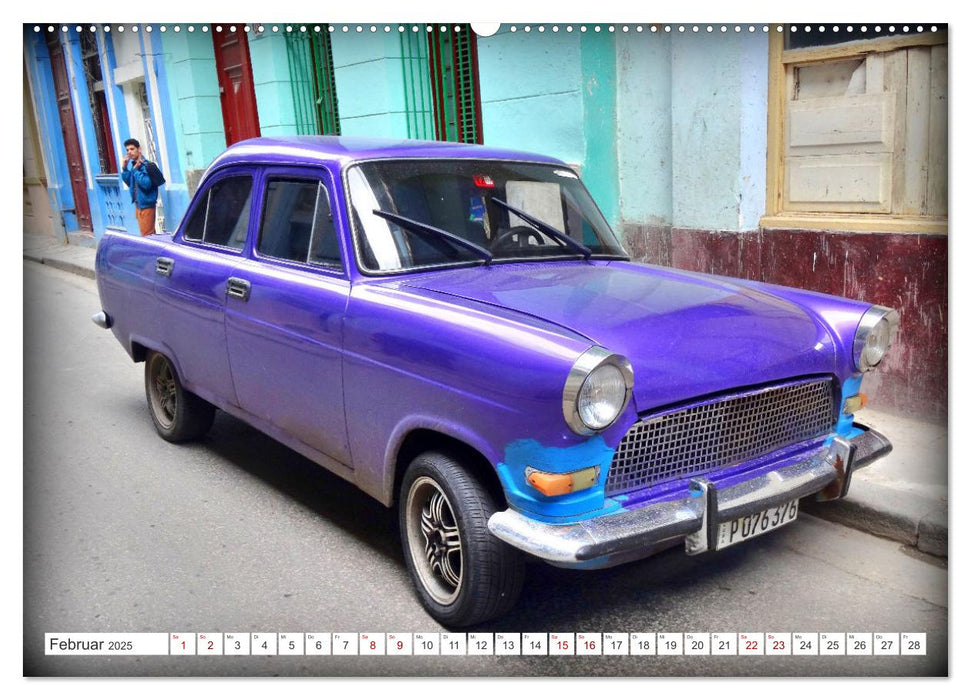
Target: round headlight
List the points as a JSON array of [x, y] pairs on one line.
[[596, 391], [602, 397], [874, 336]]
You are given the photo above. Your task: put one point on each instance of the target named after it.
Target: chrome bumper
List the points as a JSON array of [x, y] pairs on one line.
[[612, 539]]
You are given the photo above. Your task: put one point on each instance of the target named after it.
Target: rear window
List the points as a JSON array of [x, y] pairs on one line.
[[222, 217]]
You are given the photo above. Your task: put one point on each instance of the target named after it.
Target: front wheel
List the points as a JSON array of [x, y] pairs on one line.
[[177, 413], [463, 574]]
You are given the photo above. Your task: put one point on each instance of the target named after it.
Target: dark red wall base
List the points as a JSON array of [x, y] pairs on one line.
[[907, 272]]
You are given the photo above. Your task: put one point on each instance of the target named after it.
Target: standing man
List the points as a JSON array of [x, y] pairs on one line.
[[143, 179]]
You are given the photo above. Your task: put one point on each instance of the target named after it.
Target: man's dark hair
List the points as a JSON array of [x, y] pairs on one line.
[[132, 142]]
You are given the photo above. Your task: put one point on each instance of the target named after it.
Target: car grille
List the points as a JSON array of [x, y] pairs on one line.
[[720, 433]]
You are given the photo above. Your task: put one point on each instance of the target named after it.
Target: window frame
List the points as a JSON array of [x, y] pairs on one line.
[[305, 174], [202, 199], [780, 59]]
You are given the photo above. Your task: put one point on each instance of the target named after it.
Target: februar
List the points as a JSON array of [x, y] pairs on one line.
[[72, 645]]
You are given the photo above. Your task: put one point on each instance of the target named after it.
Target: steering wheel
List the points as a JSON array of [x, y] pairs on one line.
[[526, 231]]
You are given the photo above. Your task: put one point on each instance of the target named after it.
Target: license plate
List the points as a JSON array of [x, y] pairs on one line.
[[756, 524]]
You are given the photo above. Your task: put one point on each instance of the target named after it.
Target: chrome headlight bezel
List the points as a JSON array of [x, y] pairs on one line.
[[873, 317], [584, 366]]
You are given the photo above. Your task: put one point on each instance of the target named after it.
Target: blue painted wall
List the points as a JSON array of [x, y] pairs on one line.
[[119, 212], [84, 124], [38, 63]]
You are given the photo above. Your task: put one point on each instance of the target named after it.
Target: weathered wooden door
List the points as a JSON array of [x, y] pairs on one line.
[[236, 93], [72, 146]]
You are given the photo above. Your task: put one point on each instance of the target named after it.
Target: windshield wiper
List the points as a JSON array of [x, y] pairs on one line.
[[543, 227], [435, 231]]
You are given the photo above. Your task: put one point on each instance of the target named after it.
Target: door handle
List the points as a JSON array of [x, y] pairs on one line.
[[238, 288], [163, 266]]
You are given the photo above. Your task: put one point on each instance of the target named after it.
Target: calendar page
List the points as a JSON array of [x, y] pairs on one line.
[[358, 505]]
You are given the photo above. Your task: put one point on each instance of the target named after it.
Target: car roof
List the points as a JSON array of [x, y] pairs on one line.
[[341, 150]]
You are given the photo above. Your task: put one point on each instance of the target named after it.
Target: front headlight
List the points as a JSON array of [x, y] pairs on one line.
[[873, 336], [596, 391]]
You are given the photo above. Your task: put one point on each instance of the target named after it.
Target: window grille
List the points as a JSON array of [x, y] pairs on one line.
[[311, 67], [453, 66]]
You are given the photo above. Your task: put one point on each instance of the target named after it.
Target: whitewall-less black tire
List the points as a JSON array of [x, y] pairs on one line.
[[177, 413], [463, 574]]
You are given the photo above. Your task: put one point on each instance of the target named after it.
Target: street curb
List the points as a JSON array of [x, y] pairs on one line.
[[65, 265], [914, 520]]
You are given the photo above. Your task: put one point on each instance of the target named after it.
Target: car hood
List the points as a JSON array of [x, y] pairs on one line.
[[686, 335]]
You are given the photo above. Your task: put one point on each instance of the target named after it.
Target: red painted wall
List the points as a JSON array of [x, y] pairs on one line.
[[907, 272]]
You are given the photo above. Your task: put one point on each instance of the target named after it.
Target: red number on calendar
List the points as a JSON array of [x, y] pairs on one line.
[[751, 644], [210, 647], [400, 645]]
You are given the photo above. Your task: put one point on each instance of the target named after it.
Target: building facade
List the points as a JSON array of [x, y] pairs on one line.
[[815, 160]]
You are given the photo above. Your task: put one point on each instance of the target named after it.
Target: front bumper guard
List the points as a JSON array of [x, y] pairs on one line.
[[695, 517]]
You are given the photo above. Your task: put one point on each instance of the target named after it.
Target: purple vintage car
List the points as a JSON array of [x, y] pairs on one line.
[[456, 330]]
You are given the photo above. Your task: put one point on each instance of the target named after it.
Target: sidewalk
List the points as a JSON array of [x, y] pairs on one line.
[[902, 496], [48, 250]]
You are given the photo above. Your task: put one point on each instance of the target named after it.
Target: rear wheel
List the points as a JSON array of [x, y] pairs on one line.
[[178, 414], [463, 574]]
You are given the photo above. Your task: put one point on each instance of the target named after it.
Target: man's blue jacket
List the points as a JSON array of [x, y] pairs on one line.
[[143, 193]]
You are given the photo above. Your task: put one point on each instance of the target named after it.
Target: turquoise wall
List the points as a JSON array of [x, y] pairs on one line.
[[691, 132], [271, 82], [705, 139], [554, 93], [644, 128], [194, 92], [598, 59], [380, 78], [530, 92]]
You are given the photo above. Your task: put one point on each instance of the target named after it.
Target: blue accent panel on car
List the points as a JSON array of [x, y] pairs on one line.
[[844, 424], [556, 460]]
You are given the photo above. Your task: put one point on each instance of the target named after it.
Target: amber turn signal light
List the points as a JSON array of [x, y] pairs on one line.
[[854, 403], [550, 484]]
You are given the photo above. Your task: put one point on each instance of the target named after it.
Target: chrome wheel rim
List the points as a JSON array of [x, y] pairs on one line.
[[162, 390], [434, 540]]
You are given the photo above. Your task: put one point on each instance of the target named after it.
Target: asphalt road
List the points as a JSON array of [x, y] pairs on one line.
[[124, 532]]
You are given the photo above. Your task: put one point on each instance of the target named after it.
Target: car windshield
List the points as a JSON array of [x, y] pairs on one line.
[[407, 214]]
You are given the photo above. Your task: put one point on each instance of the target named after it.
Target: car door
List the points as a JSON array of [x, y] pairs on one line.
[[285, 313], [191, 282]]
